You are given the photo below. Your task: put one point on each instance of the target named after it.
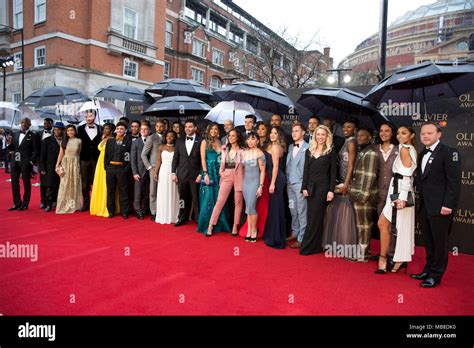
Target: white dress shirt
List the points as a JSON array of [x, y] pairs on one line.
[[189, 144], [386, 155], [45, 135], [22, 136], [91, 132], [427, 156], [296, 149]]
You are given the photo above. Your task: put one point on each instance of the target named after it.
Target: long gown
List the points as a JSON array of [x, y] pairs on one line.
[[275, 228], [262, 207], [98, 205], [208, 195], [70, 187], [167, 205], [339, 222]]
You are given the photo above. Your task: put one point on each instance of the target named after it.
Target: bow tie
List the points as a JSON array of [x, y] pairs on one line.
[[189, 138], [91, 127], [297, 145], [23, 132], [47, 132], [119, 138], [428, 150]]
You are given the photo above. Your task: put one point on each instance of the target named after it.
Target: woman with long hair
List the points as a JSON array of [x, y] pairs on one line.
[[98, 205], [263, 132], [401, 208], [319, 181], [231, 177], [209, 180], [68, 168], [274, 233]]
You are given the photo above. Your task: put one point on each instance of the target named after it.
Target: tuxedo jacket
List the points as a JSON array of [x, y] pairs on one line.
[[27, 151], [138, 167], [125, 150], [89, 149], [438, 185], [187, 167]]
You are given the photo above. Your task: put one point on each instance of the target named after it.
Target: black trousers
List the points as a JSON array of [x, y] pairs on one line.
[[117, 176], [435, 231], [25, 170], [188, 195], [87, 176], [50, 195], [42, 190]]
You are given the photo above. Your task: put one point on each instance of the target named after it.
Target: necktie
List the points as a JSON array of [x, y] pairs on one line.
[[297, 145], [189, 138], [91, 127]]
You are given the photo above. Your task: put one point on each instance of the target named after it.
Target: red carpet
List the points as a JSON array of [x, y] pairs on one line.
[[85, 256]]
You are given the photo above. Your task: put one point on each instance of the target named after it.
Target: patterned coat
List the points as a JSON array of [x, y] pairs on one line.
[[364, 186]]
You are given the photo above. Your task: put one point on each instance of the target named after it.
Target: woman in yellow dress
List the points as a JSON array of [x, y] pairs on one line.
[[98, 205]]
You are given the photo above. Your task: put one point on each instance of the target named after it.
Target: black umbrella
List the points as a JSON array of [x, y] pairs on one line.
[[57, 115], [259, 95], [178, 106], [424, 82], [123, 92], [183, 87], [50, 96], [339, 104]]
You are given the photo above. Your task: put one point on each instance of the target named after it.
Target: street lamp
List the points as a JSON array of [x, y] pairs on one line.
[[4, 63], [331, 78], [22, 62]]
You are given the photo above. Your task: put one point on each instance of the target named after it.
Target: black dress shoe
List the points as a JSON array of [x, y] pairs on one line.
[[23, 207], [139, 216], [125, 216], [429, 283], [42, 206], [13, 208], [110, 216], [179, 223], [47, 208], [420, 276], [153, 217]]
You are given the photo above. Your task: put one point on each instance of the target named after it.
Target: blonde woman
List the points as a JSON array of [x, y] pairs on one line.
[[319, 180]]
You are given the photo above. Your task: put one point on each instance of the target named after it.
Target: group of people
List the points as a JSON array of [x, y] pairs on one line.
[[311, 188]]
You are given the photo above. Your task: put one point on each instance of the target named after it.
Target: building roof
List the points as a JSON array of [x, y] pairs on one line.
[[438, 8]]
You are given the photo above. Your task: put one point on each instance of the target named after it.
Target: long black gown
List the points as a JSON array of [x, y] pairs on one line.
[[274, 234], [320, 173]]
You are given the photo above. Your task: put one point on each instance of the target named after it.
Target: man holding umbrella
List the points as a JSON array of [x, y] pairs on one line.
[[91, 136]]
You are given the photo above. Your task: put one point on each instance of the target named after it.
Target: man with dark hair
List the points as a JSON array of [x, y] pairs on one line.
[[134, 132], [91, 136], [438, 179], [185, 169], [249, 125], [42, 136], [117, 166], [141, 178], [125, 120], [313, 123], [363, 191], [24, 145]]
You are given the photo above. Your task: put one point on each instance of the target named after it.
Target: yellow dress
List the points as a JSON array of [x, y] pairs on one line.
[[99, 188]]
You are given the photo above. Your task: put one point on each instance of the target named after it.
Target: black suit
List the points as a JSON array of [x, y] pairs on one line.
[[50, 180], [24, 156], [438, 186], [187, 168], [43, 190], [117, 174], [89, 155]]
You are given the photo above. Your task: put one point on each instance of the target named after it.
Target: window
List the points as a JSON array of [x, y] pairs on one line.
[[238, 66], [18, 61], [218, 57], [462, 46], [40, 56], [197, 75], [166, 70], [40, 11], [130, 23], [130, 68], [16, 97], [18, 14], [169, 34], [215, 83], [199, 48], [251, 72]]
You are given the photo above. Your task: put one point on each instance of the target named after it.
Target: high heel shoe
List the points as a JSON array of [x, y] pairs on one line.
[[382, 270], [402, 265], [207, 233], [254, 239], [235, 234]]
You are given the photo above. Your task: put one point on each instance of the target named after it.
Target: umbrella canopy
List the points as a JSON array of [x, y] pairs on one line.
[[177, 106], [50, 96], [231, 110], [183, 87], [123, 92], [340, 104], [424, 82], [105, 110], [259, 95]]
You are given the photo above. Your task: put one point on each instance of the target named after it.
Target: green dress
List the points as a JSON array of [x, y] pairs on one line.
[[208, 195]]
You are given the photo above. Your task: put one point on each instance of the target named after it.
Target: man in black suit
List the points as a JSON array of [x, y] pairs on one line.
[[313, 123], [439, 175], [249, 126], [47, 165], [185, 169], [141, 202], [91, 135], [24, 145], [117, 166], [42, 136]]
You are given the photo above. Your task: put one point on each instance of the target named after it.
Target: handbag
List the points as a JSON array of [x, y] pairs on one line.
[[394, 196], [60, 171]]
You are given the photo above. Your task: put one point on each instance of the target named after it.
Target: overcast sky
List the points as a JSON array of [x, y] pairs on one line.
[[342, 24]]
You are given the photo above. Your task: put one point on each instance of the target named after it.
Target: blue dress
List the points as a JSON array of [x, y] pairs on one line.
[[274, 234], [208, 195], [251, 184]]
